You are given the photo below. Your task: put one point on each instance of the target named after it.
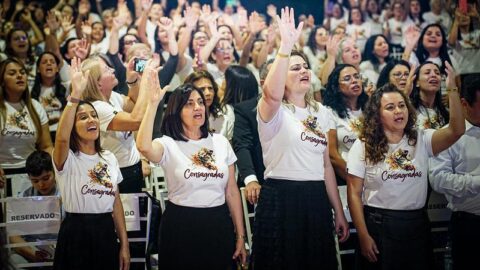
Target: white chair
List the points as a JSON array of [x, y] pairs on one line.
[[247, 218]]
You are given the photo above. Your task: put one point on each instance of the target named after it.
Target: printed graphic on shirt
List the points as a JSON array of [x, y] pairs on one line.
[[204, 158], [99, 175], [18, 119], [51, 104], [432, 122], [355, 125], [400, 160], [311, 126]]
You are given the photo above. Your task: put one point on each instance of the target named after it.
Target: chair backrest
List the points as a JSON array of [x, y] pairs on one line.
[[248, 216], [33, 222]]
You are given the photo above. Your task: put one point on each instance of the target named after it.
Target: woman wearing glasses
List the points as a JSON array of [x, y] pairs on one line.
[[398, 73], [293, 221], [387, 179], [346, 98]]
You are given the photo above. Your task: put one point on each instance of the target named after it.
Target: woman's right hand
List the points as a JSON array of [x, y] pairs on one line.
[[79, 79], [288, 33], [368, 247], [3, 178]]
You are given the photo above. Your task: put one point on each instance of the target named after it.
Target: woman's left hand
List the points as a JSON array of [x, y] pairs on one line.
[[124, 258], [341, 227], [450, 76], [240, 252]]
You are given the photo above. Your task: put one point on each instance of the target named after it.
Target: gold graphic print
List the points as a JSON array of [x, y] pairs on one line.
[[18, 119], [400, 160], [433, 122], [311, 125], [99, 175], [204, 158], [355, 125], [50, 101]]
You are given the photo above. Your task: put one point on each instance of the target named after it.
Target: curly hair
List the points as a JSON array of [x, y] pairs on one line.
[[334, 98], [373, 134], [438, 105]]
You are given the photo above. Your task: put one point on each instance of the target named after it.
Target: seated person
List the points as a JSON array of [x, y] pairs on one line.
[[40, 172]]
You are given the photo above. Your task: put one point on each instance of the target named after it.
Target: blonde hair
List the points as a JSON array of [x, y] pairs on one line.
[[92, 92], [138, 46]]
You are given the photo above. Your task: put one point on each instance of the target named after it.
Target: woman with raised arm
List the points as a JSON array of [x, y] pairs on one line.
[[293, 222], [88, 178], [387, 179], [204, 210]]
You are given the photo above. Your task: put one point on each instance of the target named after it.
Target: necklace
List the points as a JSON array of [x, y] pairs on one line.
[[17, 105]]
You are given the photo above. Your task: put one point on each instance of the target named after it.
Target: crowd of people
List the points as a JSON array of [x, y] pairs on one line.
[[381, 96]]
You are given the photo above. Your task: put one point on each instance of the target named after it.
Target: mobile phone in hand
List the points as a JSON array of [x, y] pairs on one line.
[[462, 5], [140, 64]]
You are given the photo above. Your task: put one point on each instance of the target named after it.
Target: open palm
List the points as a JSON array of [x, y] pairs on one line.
[[288, 32]]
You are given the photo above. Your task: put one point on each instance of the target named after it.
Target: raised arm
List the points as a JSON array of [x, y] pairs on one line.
[[255, 25], [332, 49], [191, 19], [214, 38], [153, 151], [67, 120], [445, 137], [453, 34], [274, 87]]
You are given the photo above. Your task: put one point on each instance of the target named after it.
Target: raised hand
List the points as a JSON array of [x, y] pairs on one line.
[[52, 21], [79, 79], [191, 17], [272, 10], [146, 4], [82, 49], [67, 24], [86, 28], [450, 76], [411, 77], [412, 34], [166, 24], [332, 45], [242, 18], [288, 33], [255, 23]]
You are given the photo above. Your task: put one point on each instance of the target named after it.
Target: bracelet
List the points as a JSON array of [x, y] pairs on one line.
[[283, 55], [133, 81], [73, 99], [241, 237], [70, 104], [452, 90]]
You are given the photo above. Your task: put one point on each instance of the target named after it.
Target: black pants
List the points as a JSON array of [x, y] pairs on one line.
[[402, 238], [132, 179], [465, 232]]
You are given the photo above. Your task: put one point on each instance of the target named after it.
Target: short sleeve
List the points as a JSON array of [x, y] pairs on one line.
[[427, 135], [268, 130], [166, 150], [42, 114], [66, 165], [105, 112], [356, 159], [231, 157]]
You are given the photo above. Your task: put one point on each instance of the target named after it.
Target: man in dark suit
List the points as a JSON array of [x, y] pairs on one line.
[[246, 143]]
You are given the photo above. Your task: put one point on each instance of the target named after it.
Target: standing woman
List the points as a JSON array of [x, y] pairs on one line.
[[293, 221], [203, 197], [346, 98], [387, 179], [87, 177], [49, 89], [375, 57], [426, 97], [23, 121]]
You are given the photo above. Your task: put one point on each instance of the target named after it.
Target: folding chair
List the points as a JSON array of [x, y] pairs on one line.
[[33, 222], [248, 216]]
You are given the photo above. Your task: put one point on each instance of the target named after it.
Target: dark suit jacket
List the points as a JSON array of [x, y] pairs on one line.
[[246, 142]]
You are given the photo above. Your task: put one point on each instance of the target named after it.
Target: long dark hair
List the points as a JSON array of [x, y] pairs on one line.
[[75, 139], [368, 53], [334, 98], [312, 42], [172, 121], [372, 132], [422, 53], [240, 85], [9, 50], [437, 103], [121, 46], [384, 76], [214, 109], [59, 89]]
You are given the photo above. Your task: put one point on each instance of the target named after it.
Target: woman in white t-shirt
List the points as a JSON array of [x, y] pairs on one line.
[[203, 197], [426, 97], [345, 97], [387, 179], [119, 116], [23, 121], [88, 178], [294, 225], [375, 57]]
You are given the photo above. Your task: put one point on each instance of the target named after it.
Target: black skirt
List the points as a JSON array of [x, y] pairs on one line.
[[196, 238], [132, 179], [294, 227], [87, 241]]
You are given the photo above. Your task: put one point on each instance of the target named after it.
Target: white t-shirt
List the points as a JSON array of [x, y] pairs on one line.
[[443, 19], [397, 30], [294, 143], [120, 143], [52, 106], [429, 118], [88, 183], [347, 129], [360, 32], [400, 181], [367, 69], [223, 124], [19, 135], [197, 171]]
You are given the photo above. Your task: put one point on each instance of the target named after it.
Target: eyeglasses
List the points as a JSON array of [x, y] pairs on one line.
[[399, 75], [20, 38], [130, 42], [348, 78], [225, 50]]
